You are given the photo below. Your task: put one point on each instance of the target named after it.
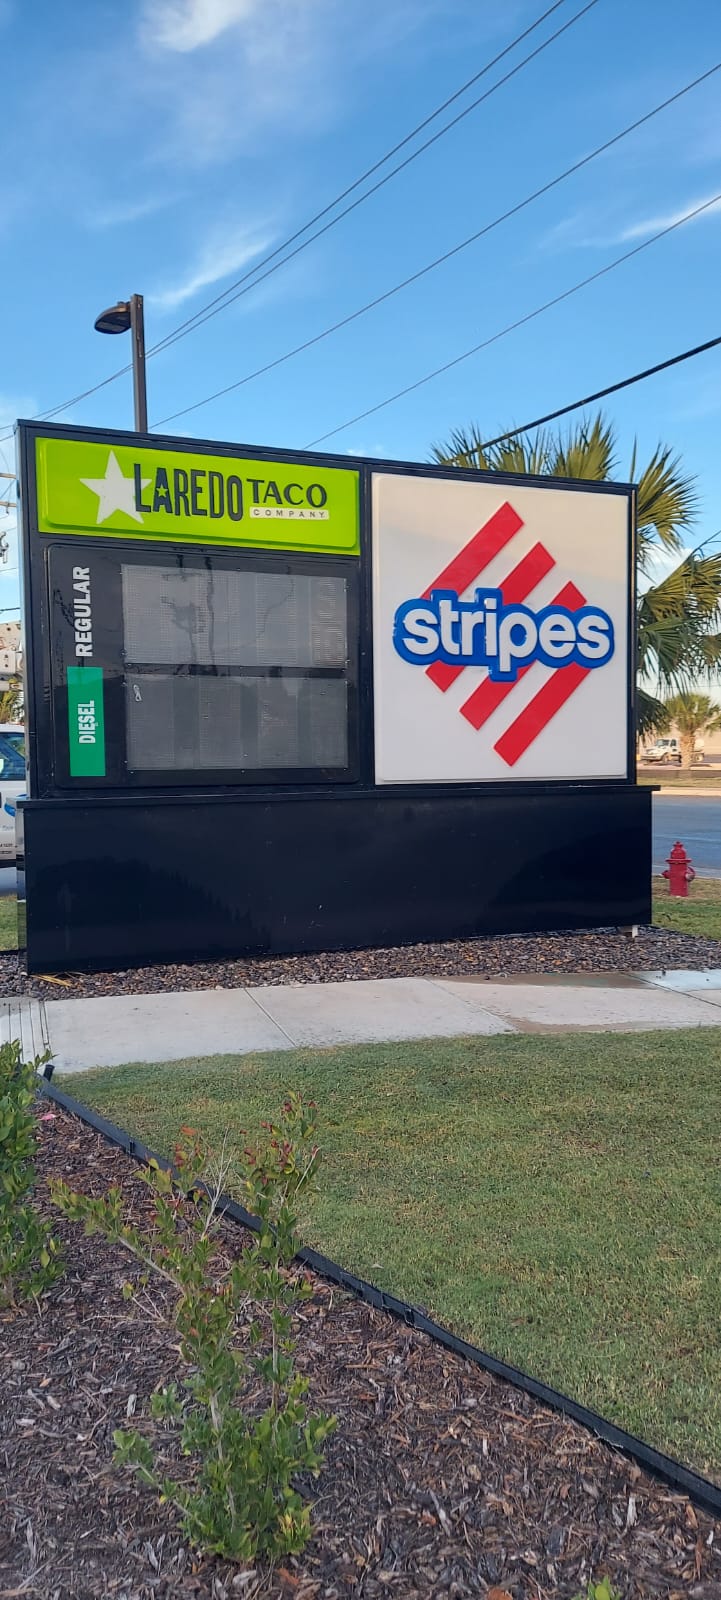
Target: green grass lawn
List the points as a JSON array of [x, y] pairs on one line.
[[8, 922], [555, 1200], [700, 913]]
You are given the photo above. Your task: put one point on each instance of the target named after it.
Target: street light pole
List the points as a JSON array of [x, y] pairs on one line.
[[140, 392], [126, 316]]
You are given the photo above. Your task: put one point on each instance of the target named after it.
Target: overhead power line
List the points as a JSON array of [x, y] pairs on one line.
[[447, 255], [520, 322], [228, 296], [600, 394], [205, 312], [588, 399], [44, 416]]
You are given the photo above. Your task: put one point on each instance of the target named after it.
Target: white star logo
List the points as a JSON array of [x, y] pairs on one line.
[[115, 492]]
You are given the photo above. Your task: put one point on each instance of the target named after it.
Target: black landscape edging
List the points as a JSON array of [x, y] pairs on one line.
[[700, 1490]]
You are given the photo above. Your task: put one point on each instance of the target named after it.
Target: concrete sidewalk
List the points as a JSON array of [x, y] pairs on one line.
[[204, 1022]]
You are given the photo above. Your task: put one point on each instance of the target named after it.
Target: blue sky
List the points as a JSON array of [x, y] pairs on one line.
[[163, 146]]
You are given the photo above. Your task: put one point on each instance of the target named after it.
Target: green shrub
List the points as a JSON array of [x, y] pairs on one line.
[[29, 1257], [240, 1499]]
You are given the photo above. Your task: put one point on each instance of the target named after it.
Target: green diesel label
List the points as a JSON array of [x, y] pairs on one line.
[[129, 493], [86, 722]]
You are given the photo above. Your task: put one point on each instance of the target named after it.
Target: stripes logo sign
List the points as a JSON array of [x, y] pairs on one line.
[[467, 566], [528, 598]]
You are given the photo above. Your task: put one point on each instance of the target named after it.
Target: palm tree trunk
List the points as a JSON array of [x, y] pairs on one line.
[[687, 742]]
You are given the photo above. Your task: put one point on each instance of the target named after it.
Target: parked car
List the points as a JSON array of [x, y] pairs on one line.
[[12, 785], [668, 750]]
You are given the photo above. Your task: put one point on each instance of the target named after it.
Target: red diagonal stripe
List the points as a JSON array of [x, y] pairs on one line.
[[534, 566], [489, 695], [479, 551], [541, 709]]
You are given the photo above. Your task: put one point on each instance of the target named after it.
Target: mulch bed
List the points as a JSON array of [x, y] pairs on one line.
[[440, 1482], [604, 950]]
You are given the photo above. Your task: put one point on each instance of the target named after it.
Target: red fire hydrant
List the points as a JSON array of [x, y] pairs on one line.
[[679, 872]]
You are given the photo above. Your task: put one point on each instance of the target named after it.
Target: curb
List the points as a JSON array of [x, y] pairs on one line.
[[698, 1489]]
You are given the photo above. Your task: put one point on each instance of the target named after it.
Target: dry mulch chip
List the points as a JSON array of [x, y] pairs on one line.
[[603, 950], [441, 1482]]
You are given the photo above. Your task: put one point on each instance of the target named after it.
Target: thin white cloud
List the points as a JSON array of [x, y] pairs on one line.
[[581, 230], [232, 74], [642, 230], [221, 255], [185, 25], [115, 216], [227, 70], [567, 234]]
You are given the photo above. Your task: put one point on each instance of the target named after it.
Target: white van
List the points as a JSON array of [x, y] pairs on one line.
[[12, 785]]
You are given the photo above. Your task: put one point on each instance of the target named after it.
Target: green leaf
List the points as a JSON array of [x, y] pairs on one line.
[[679, 618]]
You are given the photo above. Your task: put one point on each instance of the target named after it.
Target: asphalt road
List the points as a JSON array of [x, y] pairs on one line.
[[696, 822]]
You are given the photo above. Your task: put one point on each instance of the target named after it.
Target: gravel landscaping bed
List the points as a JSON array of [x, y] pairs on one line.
[[440, 1482], [604, 950]]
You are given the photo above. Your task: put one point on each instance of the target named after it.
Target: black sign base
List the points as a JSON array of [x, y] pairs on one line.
[[109, 883]]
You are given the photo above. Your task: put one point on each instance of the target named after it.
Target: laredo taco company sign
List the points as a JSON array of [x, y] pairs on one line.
[[124, 492]]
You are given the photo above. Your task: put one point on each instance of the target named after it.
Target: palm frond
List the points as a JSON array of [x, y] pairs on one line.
[[463, 449], [651, 714], [587, 451], [679, 618], [667, 500], [710, 644], [529, 456]]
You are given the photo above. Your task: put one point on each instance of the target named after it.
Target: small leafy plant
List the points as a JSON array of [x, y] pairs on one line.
[[600, 1591], [29, 1256], [240, 1499]]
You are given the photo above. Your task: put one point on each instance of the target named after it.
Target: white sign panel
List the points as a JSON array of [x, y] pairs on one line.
[[500, 631]]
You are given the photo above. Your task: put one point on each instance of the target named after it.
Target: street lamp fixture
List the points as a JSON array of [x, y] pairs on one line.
[[126, 316]]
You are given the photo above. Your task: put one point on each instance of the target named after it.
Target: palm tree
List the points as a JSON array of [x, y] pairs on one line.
[[679, 616], [11, 701], [692, 714]]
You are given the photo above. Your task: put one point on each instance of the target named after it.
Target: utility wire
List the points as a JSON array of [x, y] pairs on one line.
[[228, 297], [214, 306], [44, 416], [448, 255], [520, 322], [600, 394]]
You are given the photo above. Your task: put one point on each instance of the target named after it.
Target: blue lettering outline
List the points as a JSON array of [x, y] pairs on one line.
[[479, 656]]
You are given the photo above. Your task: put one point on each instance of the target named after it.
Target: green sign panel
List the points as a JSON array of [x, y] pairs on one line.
[[129, 493], [86, 722]]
